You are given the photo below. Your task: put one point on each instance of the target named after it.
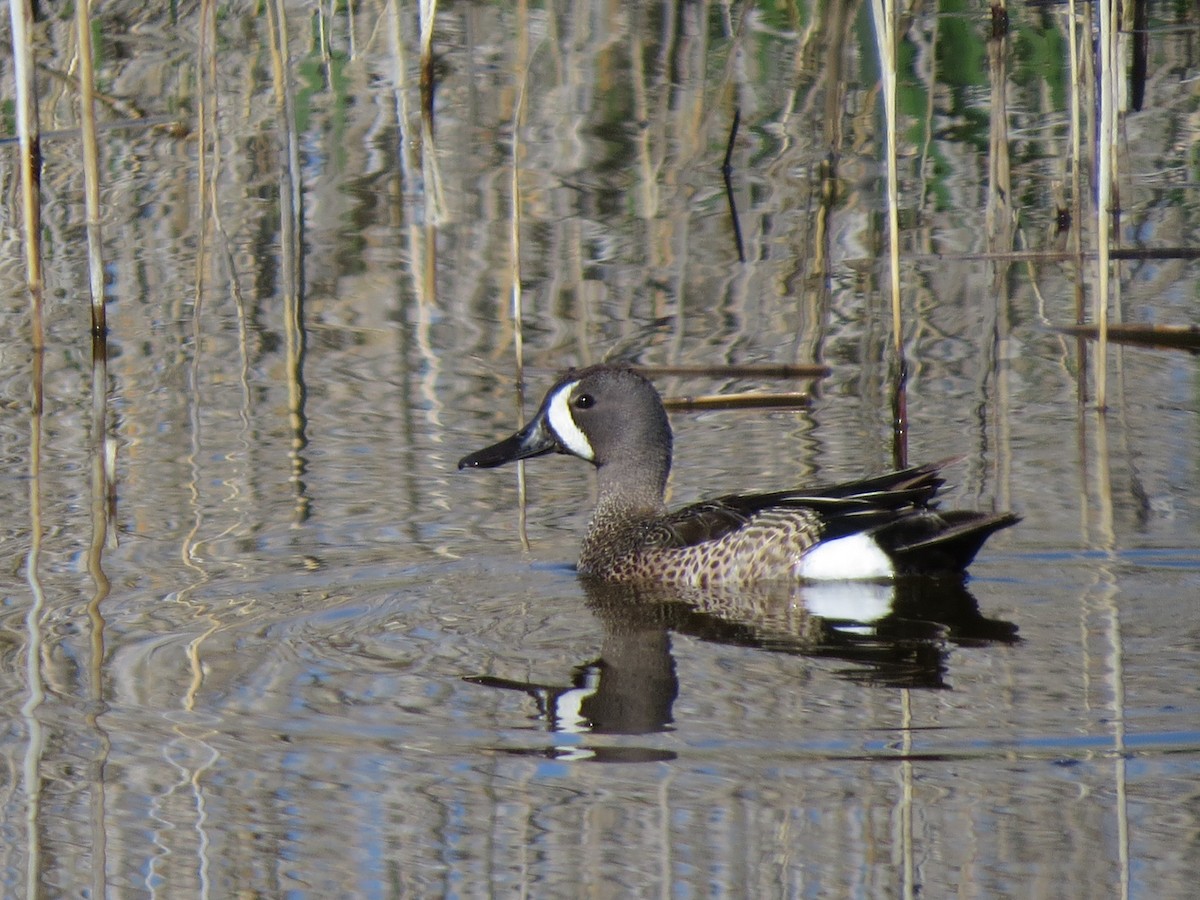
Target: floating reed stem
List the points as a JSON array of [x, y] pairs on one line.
[[750, 400], [1159, 337], [748, 370]]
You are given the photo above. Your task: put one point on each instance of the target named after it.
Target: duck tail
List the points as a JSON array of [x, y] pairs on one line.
[[940, 542]]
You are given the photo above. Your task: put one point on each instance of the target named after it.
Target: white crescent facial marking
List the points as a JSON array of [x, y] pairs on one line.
[[562, 423]]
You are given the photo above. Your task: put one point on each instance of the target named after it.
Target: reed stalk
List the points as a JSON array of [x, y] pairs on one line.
[[514, 257], [91, 164], [103, 452], [29, 137], [428, 12], [1104, 172], [1076, 155], [884, 15]]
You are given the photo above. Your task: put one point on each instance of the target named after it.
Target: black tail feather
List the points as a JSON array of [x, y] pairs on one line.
[[940, 542]]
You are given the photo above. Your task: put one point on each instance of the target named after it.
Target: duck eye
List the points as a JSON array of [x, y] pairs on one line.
[[585, 401]]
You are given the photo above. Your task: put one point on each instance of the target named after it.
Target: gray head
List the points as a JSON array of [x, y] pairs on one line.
[[609, 415]]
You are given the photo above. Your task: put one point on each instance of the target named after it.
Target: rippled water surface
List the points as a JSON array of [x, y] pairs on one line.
[[272, 643]]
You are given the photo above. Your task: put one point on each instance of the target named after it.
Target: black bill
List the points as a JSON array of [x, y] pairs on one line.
[[534, 439]]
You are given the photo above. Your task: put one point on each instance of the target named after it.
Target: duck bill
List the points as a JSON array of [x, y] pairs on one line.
[[534, 439]]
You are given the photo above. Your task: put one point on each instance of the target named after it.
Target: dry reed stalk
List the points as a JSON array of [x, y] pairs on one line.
[[514, 234], [1105, 139], [91, 165], [1076, 156], [884, 15], [204, 53], [28, 135], [103, 451], [427, 13]]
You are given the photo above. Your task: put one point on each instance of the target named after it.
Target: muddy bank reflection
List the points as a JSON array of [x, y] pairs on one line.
[[895, 635]]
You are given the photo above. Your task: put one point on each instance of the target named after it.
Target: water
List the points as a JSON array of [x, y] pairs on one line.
[[304, 656]]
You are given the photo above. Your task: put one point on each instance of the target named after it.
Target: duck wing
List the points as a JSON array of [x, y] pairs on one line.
[[833, 510]]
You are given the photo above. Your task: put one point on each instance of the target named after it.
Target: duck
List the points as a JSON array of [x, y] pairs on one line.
[[877, 528]]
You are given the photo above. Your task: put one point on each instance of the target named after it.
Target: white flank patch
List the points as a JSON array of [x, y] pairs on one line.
[[562, 423], [851, 558]]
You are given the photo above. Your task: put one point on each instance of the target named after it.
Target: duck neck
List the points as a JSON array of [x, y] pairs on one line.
[[627, 497], [631, 488]]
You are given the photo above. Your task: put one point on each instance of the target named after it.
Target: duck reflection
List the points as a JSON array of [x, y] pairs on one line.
[[895, 634]]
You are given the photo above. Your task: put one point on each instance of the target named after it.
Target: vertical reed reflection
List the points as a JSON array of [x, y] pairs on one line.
[[291, 239], [904, 842], [420, 209], [823, 49], [727, 177], [1001, 227], [103, 489], [36, 738], [206, 125], [28, 131], [1107, 596]]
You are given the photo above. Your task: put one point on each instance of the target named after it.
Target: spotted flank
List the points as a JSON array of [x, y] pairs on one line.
[[873, 529]]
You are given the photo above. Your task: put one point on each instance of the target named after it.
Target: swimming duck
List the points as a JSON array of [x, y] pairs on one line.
[[881, 527]]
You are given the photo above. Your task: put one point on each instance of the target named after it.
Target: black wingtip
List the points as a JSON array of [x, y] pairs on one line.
[[950, 545]]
